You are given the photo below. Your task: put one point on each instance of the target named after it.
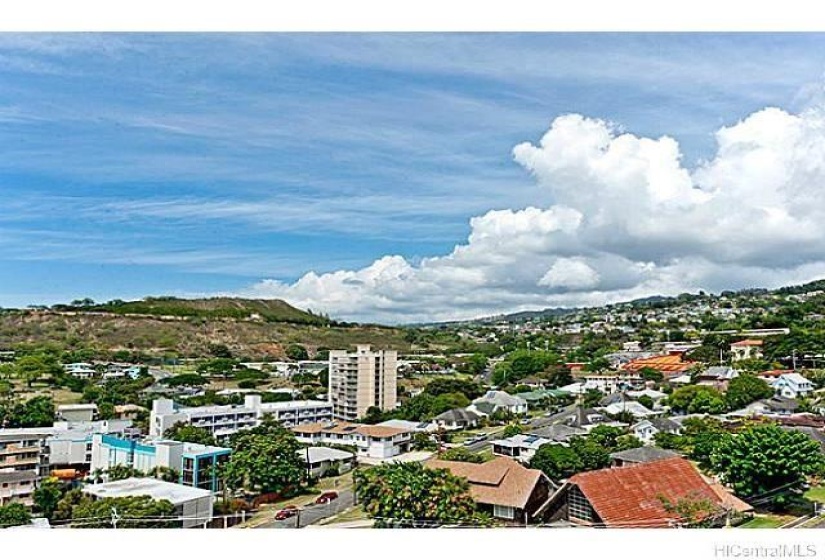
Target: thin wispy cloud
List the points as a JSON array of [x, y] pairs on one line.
[[265, 156]]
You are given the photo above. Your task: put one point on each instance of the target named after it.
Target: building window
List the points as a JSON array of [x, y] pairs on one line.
[[504, 512], [578, 506]]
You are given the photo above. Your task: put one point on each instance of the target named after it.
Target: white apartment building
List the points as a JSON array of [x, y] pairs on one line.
[[362, 379], [29, 454], [225, 420], [374, 442]]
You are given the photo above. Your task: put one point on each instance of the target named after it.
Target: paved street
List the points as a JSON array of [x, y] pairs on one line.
[[312, 513]]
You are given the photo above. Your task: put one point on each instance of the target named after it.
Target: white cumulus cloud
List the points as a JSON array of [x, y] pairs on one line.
[[628, 219]]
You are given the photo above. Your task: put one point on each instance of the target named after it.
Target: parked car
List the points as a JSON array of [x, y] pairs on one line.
[[476, 439], [327, 497], [287, 512]]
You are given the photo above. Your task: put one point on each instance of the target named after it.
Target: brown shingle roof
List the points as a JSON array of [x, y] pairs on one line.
[[502, 481], [628, 496]]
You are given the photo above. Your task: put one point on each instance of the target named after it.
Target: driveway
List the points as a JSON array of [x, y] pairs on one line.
[[312, 513]]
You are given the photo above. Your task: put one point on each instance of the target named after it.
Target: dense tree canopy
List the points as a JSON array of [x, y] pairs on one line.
[[461, 454], [296, 352], [697, 399], [557, 461], [446, 385], [411, 495], [47, 496], [265, 459], [13, 515], [34, 413], [183, 431], [132, 512], [765, 459], [744, 390]]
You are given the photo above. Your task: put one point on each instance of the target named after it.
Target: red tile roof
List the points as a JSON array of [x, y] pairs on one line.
[[775, 372], [633, 496], [748, 342], [667, 364]]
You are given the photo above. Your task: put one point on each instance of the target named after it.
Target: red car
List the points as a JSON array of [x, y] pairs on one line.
[[326, 497], [286, 513]]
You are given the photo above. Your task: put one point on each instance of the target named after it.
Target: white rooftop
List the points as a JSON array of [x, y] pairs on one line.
[[320, 454], [83, 406], [152, 487], [794, 378], [293, 404]]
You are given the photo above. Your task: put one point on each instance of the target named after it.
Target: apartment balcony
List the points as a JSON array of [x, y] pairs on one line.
[[17, 462], [14, 450]]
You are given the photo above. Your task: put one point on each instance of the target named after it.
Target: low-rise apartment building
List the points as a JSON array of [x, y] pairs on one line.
[[228, 419], [29, 454], [22, 462], [374, 442], [195, 463]]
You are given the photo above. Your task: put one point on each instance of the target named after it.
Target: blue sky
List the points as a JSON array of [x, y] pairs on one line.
[[189, 164]]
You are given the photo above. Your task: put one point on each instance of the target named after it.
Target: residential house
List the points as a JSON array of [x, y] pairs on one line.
[[373, 442], [717, 377], [641, 496], [586, 418], [80, 370], [558, 433], [770, 376], [503, 487], [613, 382], [774, 406], [494, 401], [793, 386], [76, 412], [639, 455], [129, 411], [636, 409], [323, 460], [192, 505], [457, 419], [746, 349], [647, 429], [652, 394], [521, 447], [415, 427]]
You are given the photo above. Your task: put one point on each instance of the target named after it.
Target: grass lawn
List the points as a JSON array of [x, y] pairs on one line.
[[766, 522], [487, 454], [816, 494]]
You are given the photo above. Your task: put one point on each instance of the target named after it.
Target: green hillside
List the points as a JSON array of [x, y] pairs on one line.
[[269, 310]]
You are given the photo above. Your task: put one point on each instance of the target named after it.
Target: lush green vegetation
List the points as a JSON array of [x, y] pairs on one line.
[[411, 495], [13, 515], [265, 459], [765, 460]]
